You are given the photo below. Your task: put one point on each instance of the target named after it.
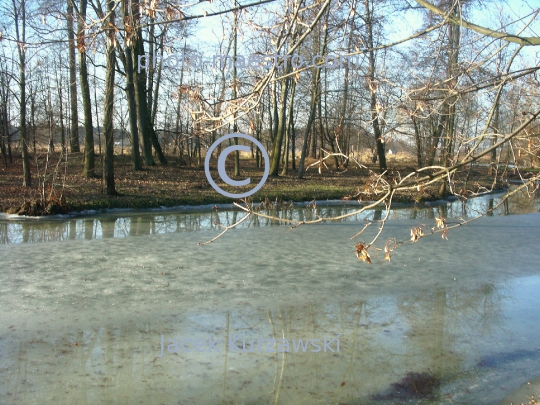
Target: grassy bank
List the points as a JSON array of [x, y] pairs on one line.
[[62, 187]]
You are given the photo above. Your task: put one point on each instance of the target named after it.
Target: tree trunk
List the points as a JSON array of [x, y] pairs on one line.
[[278, 139], [98, 127], [89, 155], [61, 111], [288, 134], [373, 90], [452, 72], [20, 18], [108, 130], [313, 105], [127, 58], [315, 94], [3, 126], [418, 141], [139, 75], [74, 126], [234, 93]]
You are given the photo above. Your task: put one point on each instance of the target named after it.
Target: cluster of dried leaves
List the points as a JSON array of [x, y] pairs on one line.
[[391, 244]]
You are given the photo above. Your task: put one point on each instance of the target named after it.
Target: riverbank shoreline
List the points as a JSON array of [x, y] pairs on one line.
[[176, 186]]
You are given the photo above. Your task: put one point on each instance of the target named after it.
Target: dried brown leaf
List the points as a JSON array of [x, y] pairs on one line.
[[440, 222], [416, 234], [362, 253], [386, 254]]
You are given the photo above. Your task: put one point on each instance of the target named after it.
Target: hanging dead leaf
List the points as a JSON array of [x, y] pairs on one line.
[[444, 234], [362, 253], [386, 254], [416, 234], [440, 222]]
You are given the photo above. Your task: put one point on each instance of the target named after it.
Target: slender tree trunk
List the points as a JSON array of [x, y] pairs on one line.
[[139, 74], [496, 129], [132, 108], [313, 105], [20, 28], [418, 140], [108, 130], [341, 125], [278, 139], [436, 133], [288, 134], [293, 145], [99, 129], [89, 155], [49, 112], [373, 90], [315, 95], [61, 111], [452, 72], [33, 119], [127, 58], [3, 126], [74, 126], [178, 123], [234, 92]]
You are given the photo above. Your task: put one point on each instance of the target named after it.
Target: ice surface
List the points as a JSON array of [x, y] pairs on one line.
[[81, 320]]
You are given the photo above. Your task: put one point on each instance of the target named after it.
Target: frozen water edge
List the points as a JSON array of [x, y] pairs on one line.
[[211, 207], [114, 298], [120, 224]]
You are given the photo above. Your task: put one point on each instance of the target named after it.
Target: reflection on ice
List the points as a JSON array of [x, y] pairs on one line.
[[121, 225], [431, 347]]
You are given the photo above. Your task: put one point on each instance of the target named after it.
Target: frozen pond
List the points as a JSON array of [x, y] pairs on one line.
[[82, 316]]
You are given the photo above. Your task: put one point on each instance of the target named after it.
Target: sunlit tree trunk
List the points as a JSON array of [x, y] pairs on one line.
[[74, 126], [59, 85], [315, 96], [454, 33], [139, 76], [288, 135], [127, 59], [19, 11], [108, 130], [381, 155], [234, 93], [280, 130], [89, 155]]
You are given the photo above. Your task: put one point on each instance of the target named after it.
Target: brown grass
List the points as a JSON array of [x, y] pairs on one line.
[[176, 184]]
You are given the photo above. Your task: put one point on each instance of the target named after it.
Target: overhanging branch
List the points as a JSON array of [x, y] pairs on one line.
[[524, 41]]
